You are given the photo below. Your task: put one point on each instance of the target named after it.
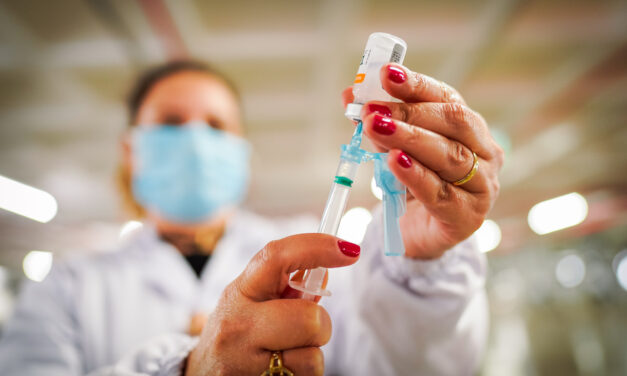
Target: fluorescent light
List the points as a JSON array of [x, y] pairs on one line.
[[558, 213], [26, 201], [621, 271], [130, 227], [353, 225], [376, 191], [488, 236], [37, 265], [570, 271]]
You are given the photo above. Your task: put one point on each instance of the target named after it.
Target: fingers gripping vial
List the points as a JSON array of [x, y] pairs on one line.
[[381, 49]]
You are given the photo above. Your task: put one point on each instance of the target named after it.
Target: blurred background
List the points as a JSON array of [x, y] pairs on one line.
[[550, 77]]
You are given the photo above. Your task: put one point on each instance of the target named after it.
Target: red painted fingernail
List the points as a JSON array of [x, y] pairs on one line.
[[383, 125], [396, 74], [404, 160], [348, 248], [379, 108]]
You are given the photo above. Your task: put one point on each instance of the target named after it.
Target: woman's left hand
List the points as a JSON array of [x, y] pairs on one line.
[[431, 138]]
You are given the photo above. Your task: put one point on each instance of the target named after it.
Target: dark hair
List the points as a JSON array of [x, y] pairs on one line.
[[151, 77]]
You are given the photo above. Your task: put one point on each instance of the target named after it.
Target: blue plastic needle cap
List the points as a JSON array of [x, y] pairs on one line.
[[394, 205]]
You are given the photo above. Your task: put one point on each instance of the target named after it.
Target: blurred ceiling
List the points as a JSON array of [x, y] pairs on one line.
[[550, 77]]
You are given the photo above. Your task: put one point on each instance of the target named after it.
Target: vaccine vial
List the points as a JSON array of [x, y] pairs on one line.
[[381, 48]]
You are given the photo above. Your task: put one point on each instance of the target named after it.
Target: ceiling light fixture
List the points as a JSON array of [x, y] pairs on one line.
[[558, 213]]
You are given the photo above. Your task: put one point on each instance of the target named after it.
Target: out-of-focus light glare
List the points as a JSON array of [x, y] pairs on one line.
[[376, 191], [558, 213], [37, 265], [27, 201], [353, 225], [621, 273], [130, 227], [488, 236], [570, 271]]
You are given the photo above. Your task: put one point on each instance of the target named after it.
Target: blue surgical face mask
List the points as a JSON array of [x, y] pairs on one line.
[[188, 173]]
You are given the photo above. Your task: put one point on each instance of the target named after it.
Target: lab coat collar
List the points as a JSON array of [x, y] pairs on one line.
[[164, 267], [161, 265]]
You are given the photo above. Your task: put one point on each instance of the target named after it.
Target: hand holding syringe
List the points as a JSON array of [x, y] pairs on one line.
[[380, 49]]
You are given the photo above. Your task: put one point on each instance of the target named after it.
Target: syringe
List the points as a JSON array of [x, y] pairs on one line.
[[351, 157], [381, 49]]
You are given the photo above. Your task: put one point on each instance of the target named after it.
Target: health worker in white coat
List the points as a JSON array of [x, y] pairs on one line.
[[202, 288]]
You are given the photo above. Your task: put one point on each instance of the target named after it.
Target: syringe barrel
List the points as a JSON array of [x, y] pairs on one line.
[[381, 48], [336, 203], [338, 197], [347, 169], [311, 285]]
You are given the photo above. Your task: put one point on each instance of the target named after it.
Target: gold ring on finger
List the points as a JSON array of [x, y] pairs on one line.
[[276, 367], [471, 173]]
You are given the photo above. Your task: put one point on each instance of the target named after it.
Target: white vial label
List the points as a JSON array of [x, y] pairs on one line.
[[381, 49], [397, 53]]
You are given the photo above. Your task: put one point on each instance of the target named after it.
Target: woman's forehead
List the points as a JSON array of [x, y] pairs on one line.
[[190, 85], [192, 95]]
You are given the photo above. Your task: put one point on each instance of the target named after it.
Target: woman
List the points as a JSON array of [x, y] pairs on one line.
[[137, 310]]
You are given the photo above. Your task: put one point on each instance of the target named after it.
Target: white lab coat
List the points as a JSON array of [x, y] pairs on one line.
[[126, 312]]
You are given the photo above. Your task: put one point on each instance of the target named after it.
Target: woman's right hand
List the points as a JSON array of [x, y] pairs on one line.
[[251, 320]]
